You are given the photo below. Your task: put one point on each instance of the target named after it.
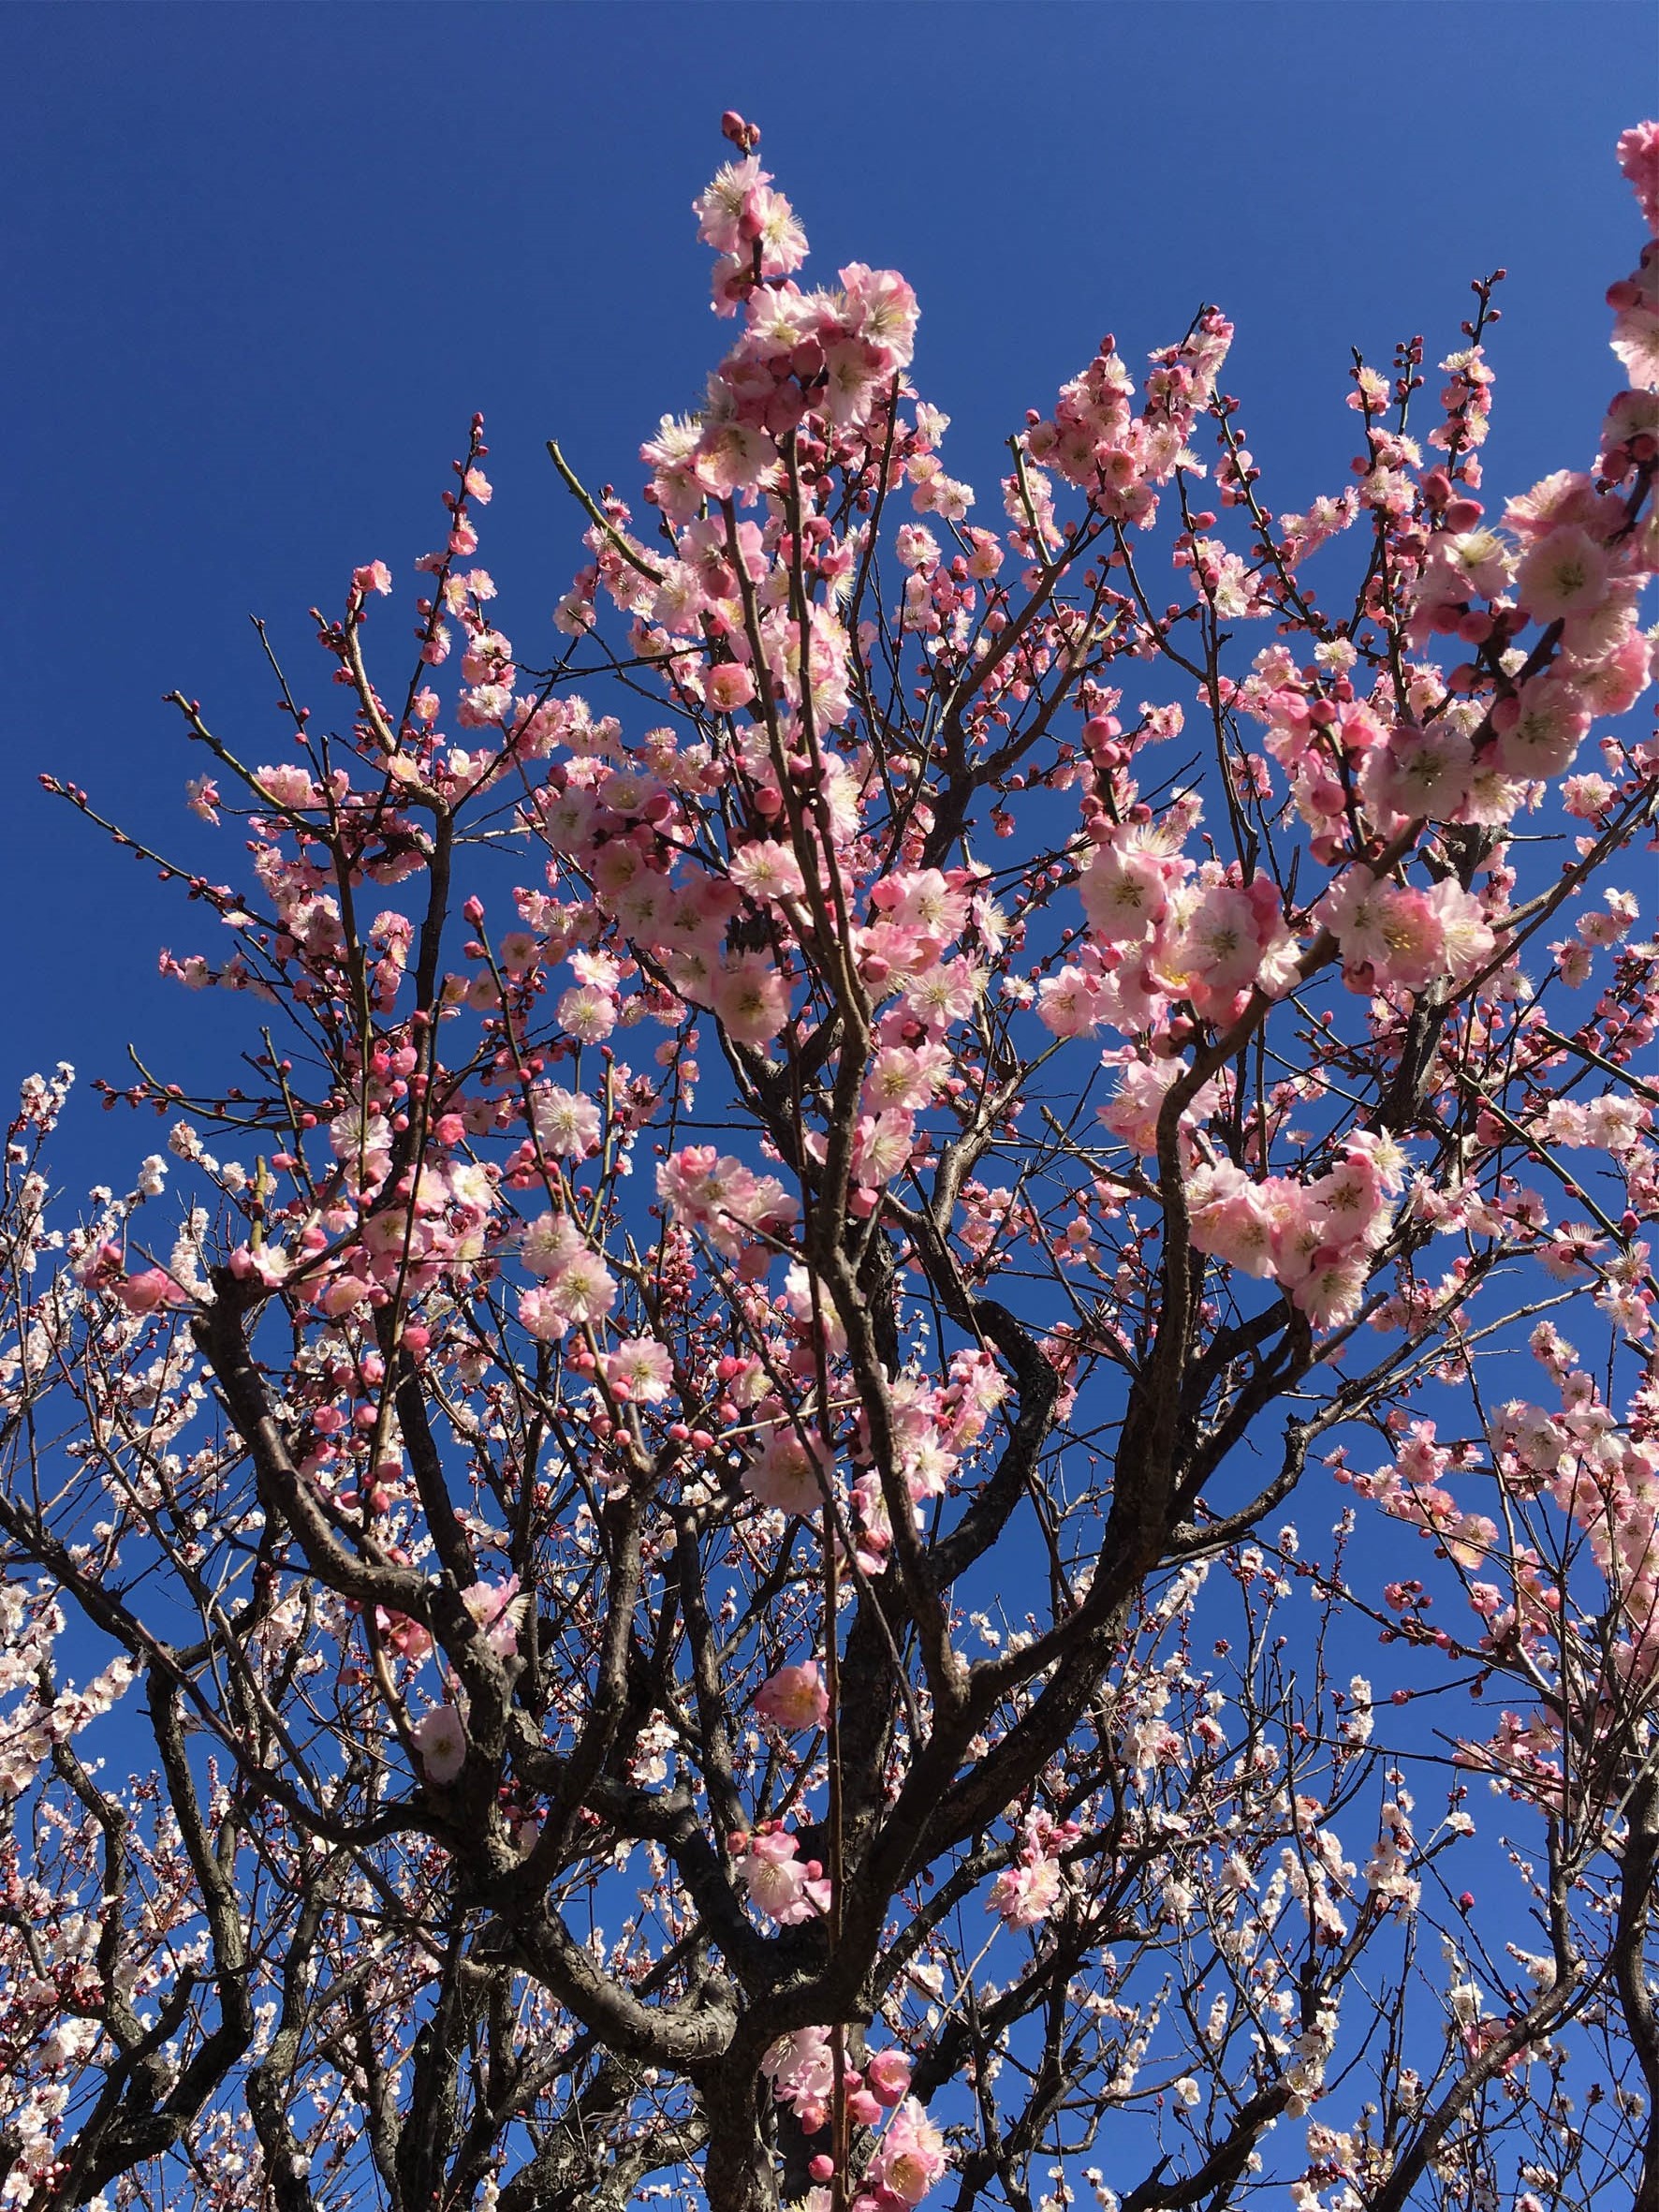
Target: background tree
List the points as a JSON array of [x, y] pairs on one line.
[[716, 1609]]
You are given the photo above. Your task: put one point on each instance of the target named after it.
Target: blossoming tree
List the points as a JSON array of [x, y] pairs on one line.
[[699, 1496]]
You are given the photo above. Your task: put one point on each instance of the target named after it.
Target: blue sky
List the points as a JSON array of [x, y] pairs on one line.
[[263, 262]]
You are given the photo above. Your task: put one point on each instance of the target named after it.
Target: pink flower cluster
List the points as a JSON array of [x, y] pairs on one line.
[[1317, 1238], [1097, 442], [724, 1200], [1162, 930], [910, 2155], [785, 1888], [932, 1430], [1028, 1892], [794, 1698]]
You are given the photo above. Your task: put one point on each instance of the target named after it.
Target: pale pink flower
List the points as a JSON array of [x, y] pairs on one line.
[[340, 1295], [915, 547], [794, 1698], [945, 994], [785, 1475], [1563, 573], [585, 1286], [1635, 325], [722, 1197], [548, 1242], [147, 1293], [440, 1738], [800, 2067], [787, 1889], [587, 1014], [500, 1609], [1615, 1122], [729, 685], [542, 1313], [882, 308], [1566, 495], [1393, 932], [1232, 1218], [287, 784], [1467, 936], [1069, 1003], [1638, 158], [887, 2075], [1478, 562], [1493, 795], [640, 1370], [733, 457], [1421, 774], [1540, 730], [1124, 891], [567, 1122], [1132, 1113], [926, 901], [362, 1142], [1024, 1895], [898, 1078], [1330, 1291], [767, 870], [1224, 942], [912, 2155], [751, 998], [1586, 797], [1347, 1205], [882, 1145]]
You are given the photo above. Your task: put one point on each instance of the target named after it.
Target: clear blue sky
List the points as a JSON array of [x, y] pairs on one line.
[[262, 261]]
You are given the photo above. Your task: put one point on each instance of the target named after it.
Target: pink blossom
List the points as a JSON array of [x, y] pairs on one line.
[[787, 1475], [361, 1142], [729, 687], [1026, 1895], [1419, 774], [767, 870], [340, 1295], [1069, 1003], [944, 994], [1232, 1216], [794, 1698], [587, 1014], [567, 1122], [577, 1285], [548, 1242], [911, 2156], [787, 1889], [640, 1370], [1539, 730], [801, 2067], [500, 1609], [1385, 931], [440, 1737], [1562, 573], [751, 998], [887, 2074], [882, 309], [723, 1197], [881, 1147], [1638, 158], [584, 1287], [1124, 891], [1329, 1291], [152, 1290]]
